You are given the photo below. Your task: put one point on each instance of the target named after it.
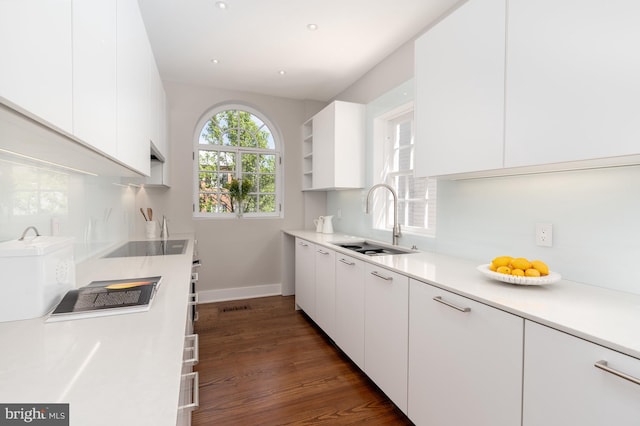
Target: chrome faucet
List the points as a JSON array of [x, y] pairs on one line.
[[396, 225]]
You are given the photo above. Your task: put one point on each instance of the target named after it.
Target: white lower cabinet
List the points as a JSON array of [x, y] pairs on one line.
[[564, 386], [349, 330], [447, 360], [465, 360], [386, 306], [305, 277], [325, 284]]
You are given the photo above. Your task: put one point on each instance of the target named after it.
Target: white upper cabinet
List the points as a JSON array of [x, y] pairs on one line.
[[134, 88], [572, 80], [459, 79], [94, 74], [85, 67], [36, 58], [158, 105], [569, 93], [333, 154]]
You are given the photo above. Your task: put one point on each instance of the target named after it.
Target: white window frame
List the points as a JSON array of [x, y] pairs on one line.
[[382, 200], [277, 151]]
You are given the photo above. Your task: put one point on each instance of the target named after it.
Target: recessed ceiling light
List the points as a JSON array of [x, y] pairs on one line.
[[312, 27], [282, 72], [221, 5], [215, 61]]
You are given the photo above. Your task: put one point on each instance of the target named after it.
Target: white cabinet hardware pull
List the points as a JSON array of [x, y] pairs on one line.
[[379, 275], [603, 365], [346, 262], [323, 252], [444, 302], [192, 348], [195, 400]]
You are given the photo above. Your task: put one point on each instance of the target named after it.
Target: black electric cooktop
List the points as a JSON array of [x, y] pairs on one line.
[[150, 248]]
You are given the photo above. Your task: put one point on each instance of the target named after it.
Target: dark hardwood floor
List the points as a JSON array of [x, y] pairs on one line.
[[264, 363]]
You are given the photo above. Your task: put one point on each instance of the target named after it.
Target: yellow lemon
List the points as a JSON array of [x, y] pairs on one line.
[[540, 266], [504, 270], [502, 261], [493, 267], [520, 263], [518, 272], [532, 273]]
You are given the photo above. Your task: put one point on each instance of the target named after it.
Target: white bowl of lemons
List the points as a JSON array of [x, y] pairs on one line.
[[519, 270]]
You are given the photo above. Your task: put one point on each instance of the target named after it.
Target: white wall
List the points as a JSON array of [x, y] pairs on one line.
[[235, 253]]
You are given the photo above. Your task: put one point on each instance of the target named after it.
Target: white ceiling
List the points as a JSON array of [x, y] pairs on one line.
[[254, 39]]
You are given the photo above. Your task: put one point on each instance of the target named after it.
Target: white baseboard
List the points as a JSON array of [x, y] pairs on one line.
[[238, 293]]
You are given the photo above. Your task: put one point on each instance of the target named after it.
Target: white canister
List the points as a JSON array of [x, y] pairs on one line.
[[151, 229], [327, 227], [36, 273]]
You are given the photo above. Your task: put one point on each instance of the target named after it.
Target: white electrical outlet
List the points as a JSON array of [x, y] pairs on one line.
[[544, 234]]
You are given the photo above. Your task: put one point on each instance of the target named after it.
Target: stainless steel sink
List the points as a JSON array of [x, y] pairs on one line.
[[373, 249]]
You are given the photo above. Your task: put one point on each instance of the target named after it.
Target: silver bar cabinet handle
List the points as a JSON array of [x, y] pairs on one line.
[[346, 262], [439, 299], [303, 244], [379, 275], [604, 365], [323, 252]]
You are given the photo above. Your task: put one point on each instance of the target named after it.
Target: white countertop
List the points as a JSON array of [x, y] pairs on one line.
[[115, 370], [607, 317]]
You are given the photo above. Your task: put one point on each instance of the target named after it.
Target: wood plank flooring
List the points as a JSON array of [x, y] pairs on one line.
[[264, 363]]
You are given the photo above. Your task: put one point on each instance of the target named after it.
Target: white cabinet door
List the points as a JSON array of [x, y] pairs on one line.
[[337, 147], [386, 296], [563, 387], [158, 111], [459, 81], [36, 58], [349, 330], [324, 147], [94, 73], [305, 277], [572, 80], [325, 282], [133, 87], [465, 361]]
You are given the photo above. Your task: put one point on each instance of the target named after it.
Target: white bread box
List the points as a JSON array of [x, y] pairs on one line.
[[36, 273]]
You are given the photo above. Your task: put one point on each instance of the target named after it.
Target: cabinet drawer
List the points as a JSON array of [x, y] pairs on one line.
[[563, 385]]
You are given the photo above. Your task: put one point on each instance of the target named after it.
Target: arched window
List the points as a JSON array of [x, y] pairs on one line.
[[237, 160]]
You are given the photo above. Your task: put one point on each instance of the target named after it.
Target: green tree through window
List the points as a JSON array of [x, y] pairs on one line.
[[237, 166]]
